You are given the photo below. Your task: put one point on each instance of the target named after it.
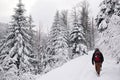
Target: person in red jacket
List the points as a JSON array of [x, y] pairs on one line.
[[97, 59]]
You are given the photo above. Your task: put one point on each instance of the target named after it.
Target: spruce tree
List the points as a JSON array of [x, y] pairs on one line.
[[77, 37], [85, 22], [55, 32], [57, 50], [65, 35], [52, 48], [17, 49], [59, 37]]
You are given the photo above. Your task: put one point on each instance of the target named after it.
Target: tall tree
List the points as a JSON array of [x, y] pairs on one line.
[[17, 49], [84, 15], [86, 22], [31, 32], [77, 36], [92, 39], [52, 48], [57, 49], [65, 33]]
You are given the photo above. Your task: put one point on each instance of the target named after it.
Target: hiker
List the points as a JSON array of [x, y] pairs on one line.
[[97, 59]]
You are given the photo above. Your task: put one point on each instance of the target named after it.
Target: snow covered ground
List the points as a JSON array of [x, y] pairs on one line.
[[82, 69]]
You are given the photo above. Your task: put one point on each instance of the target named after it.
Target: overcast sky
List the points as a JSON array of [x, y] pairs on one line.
[[42, 11]]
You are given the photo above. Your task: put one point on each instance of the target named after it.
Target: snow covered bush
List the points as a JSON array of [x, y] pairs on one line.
[[27, 76], [107, 9]]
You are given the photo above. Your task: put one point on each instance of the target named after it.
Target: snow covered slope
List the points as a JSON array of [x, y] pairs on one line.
[[109, 40], [82, 69]]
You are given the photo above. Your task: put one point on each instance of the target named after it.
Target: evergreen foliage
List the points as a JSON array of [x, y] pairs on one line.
[[77, 37], [17, 50]]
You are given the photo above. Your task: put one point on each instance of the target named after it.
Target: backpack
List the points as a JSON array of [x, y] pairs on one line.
[[97, 57]]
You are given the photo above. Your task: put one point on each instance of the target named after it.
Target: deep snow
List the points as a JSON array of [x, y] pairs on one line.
[[82, 69]]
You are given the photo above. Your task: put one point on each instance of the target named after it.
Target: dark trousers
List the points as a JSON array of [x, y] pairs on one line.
[[98, 66]]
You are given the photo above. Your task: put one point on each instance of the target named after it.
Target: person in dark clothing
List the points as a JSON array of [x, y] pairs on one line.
[[98, 59]]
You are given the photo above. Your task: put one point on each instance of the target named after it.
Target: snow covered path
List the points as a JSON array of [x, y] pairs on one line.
[[82, 69]]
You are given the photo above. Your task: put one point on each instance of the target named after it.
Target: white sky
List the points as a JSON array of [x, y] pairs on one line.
[[42, 11]]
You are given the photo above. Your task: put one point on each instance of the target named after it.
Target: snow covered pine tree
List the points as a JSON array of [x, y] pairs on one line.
[[16, 51], [77, 38], [57, 50], [86, 23]]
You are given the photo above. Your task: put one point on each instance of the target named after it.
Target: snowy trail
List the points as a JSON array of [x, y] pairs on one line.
[[82, 69], [110, 70]]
